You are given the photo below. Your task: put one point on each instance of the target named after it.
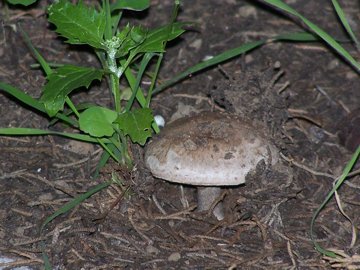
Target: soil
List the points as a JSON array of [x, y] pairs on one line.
[[302, 93]]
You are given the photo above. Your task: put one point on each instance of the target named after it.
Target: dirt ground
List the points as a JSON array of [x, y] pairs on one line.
[[307, 99]]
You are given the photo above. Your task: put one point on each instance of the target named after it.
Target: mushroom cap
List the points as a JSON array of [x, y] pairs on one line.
[[208, 149]]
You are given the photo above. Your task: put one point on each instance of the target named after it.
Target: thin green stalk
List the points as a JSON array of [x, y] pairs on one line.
[[126, 156], [115, 89], [7, 16], [72, 106], [108, 31], [116, 21], [111, 60], [103, 145], [139, 95], [143, 65], [122, 145], [318, 31], [336, 186], [153, 80], [44, 64], [346, 25]]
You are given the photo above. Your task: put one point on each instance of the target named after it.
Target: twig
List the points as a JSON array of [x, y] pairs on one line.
[[177, 214], [158, 205]]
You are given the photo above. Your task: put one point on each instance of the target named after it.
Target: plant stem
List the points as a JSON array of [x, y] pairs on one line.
[[108, 31], [125, 151], [72, 106], [153, 80], [103, 145], [115, 89]]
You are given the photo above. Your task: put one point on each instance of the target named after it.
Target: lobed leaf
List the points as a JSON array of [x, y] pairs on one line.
[[136, 124], [131, 38], [137, 5], [155, 39], [97, 121], [64, 80], [22, 2], [78, 23]]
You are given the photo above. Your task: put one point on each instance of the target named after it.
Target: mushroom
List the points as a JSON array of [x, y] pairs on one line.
[[209, 150]]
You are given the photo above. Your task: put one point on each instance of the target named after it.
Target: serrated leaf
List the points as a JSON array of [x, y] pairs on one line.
[[64, 80], [155, 38], [136, 124], [21, 2], [132, 37], [137, 5], [97, 121], [78, 23]]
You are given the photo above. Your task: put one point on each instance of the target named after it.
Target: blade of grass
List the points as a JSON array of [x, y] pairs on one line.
[[160, 58], [345, 23], [37, 132], [154, 77], [33, 103], [22, 97], [338, 183], [73, 203], [208, 63], [139, 94], [47, 264], [46, 67], [143, 65], [229, 54], [103, 145], [79, 107], [317, 30], [102, 162]]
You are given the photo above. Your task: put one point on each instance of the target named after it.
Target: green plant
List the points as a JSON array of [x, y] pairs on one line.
[[328, 39], [125, 55], [313, 34], [336, 185], [21, 2]]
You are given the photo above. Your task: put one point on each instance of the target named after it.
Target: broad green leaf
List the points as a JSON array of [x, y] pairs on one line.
[[64, 80], [155, 38], [136, 124], [78, 23], [137, 5], [22, 2], [97, 121]]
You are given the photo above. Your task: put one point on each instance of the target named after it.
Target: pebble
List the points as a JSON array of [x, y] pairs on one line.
[[152, 250], [174, 257]]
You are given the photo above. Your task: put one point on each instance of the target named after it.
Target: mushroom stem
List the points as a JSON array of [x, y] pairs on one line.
[[206, 196]]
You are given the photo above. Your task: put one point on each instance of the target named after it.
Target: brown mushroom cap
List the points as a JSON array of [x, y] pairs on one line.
[[209, 149]]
